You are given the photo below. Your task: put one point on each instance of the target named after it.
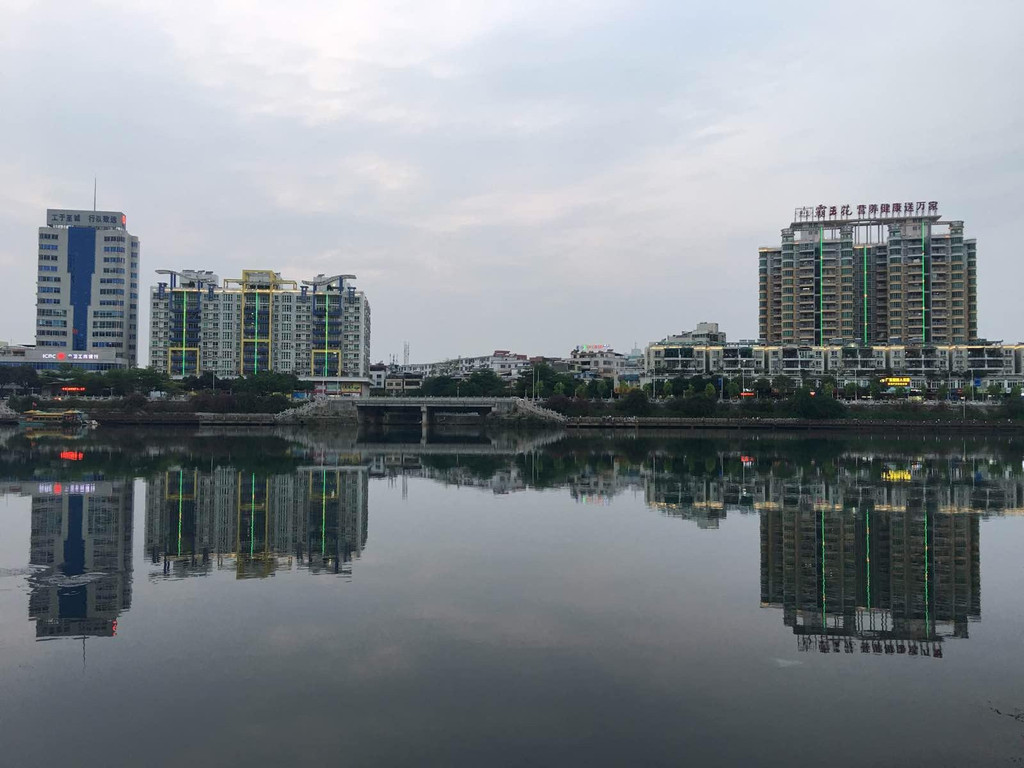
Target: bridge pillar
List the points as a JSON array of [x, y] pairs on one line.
[[426, 422], [370, 418]]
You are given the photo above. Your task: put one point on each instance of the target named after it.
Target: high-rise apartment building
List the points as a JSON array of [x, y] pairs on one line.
[[259, 322], [890, 273], [87, 290]]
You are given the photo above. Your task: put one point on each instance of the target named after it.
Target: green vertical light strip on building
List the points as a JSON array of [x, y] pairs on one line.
[[180, 486], [323, 515], [821, 285], [256, 335], [924, 318], [865, 269], [184, 308], [252, 516]]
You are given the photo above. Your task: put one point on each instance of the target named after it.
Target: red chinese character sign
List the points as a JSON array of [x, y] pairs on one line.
[[845, 212]]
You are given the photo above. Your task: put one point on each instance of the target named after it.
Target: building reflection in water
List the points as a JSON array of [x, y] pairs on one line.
[[80, 556], [872, 578], [256, 523]]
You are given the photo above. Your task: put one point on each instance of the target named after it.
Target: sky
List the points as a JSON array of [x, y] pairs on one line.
[[516, 174]]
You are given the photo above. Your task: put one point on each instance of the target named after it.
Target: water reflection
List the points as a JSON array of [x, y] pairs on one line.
[[256, 523], [866, 544], [869, 579], [80, 556]]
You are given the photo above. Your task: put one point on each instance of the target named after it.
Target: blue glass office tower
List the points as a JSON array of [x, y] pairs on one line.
[[87, 295]]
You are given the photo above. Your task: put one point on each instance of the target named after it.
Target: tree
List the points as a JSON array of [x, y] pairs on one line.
[[597, 388], [994, 390], [849, 390], [698, 406], [439, 386], [942, 393], [733, 390], [829, 390], [762, 387], [634, 403], [804, 405], [784, 385], [581, 392], [710, 391], [482, 383], [667, 390]]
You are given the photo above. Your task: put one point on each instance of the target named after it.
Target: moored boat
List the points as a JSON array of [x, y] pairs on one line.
[[70, 419]]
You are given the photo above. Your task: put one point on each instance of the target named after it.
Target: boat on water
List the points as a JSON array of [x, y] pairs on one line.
[[70, 419]]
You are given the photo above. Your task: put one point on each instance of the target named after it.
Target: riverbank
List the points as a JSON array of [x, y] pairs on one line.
[[588, 423], [969, 426]]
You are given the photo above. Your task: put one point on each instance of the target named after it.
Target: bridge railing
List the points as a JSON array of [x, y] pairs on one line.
[[464, 401]]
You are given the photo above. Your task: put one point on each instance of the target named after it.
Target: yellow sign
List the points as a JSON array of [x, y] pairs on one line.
[[896, 381], [896, 476]]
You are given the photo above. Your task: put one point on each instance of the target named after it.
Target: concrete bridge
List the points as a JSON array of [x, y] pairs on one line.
[[373, 411]]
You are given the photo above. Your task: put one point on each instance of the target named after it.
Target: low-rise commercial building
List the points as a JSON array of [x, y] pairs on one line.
[[928, 367], [503, 363], [47, 358]]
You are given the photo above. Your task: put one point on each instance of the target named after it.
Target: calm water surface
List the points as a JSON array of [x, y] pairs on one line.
[[249, 598]]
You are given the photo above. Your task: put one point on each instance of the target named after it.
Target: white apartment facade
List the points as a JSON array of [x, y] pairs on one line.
[[505, 364], [926, 366]]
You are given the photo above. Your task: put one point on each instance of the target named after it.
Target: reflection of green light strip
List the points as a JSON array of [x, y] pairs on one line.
[[252, 516], [180, 485], [927, 607], [823, 570], [323, 515], [867, 542]]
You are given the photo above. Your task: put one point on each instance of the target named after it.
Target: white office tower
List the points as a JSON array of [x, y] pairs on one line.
[[87, 291]]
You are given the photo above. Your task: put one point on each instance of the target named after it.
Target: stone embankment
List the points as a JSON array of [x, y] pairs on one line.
[[320, 411], [791, 425], [534, 412]]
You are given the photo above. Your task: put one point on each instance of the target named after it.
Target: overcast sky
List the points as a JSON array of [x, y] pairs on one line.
[[516, 175]]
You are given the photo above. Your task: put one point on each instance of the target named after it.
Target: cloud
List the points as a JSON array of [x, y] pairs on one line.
[[553, 172]]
